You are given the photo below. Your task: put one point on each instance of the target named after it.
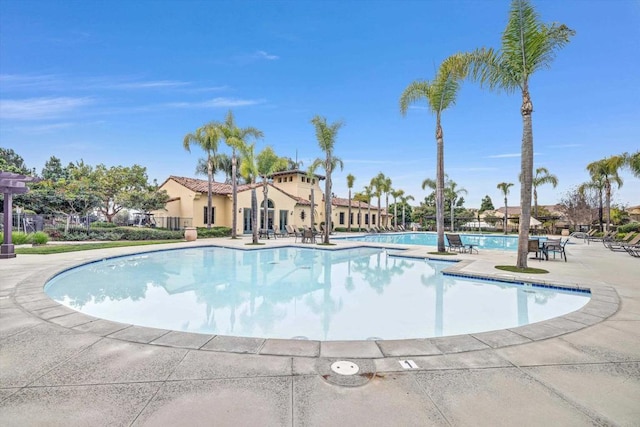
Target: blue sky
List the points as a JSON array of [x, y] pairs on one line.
[[122, 82]]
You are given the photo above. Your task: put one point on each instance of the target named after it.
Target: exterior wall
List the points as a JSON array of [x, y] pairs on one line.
[[183, 207], [281, 202], [293, 184], [219, 203]]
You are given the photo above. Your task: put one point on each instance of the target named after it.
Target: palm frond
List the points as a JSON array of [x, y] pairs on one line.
[[419, 90]]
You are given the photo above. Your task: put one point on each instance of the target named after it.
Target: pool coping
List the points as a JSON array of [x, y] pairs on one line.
[[604, 302]]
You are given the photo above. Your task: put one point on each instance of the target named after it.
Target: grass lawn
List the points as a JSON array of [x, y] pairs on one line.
[[73, 247]]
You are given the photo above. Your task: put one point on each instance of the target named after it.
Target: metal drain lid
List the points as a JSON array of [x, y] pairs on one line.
[[344, 367]]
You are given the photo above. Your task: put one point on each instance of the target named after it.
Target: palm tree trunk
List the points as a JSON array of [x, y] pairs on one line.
[[527, 177], [506, 215], [254, 215], [327, 206], [535, 202], [379, 210], [349, 213], [209, 190], [265, 209], [359, 216], [234, 194], [607, 187], [395, 214], [311, 215], [440, 185]]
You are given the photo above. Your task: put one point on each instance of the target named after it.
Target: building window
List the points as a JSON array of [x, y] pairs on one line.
[[373, 219], [279, 179], [313, 181], [290, 179], [341, 221], [366, 219], [213, 215], [351, 219]]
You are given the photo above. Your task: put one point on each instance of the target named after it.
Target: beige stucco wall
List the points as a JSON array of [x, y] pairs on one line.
[[281, 202]]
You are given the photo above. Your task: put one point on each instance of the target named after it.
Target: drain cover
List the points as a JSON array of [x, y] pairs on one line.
[[346, 373], [344, 367]]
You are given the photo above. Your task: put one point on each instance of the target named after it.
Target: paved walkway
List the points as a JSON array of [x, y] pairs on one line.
[[59, 367]]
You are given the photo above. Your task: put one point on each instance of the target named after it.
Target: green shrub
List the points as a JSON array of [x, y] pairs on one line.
[[18, 238], [204, 232], [54, 234], [103, 224], [38, 238], [628, 228]]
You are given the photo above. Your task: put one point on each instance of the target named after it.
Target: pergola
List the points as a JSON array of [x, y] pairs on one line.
[[10, 184]]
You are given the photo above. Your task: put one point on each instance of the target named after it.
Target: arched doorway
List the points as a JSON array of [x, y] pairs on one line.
[[270, 214]]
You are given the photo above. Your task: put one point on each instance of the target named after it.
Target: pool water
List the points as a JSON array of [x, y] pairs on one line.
[[482, 241], [349, 294]]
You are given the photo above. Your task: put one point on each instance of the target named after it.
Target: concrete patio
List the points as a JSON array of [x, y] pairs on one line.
[[61, 367]]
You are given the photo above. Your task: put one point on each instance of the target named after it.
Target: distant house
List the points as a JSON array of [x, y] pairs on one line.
[[558, 218], [288, 203], [634, 213]]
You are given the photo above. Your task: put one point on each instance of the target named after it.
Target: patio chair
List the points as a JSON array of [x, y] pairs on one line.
[[534, 246], [618, 245], [555, 246], [455, 243]]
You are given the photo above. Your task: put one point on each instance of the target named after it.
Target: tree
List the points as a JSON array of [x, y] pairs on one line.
[[486, 204], [207, 137], [326, 135], [596, 185], [350, 181], [453, 193], [249, 171], [578, 206], [236, 138], [528, 45], [541, 177], [386, 189], [440, 94], [116, 184], [268, 163], [376, 185], [367, 194], [53, 170], [607, 170], [404, 200], [10, 161], [395, 194], [632, 161], [148, 199], [504, 187]]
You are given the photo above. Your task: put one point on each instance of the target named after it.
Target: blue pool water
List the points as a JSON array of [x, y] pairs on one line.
[[482, 241], [350, 294]]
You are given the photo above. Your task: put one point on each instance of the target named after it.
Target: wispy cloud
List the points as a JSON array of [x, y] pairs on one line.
[[40, 108], [382, 162], [418, 107], [17, 81], [146, 84], [215, 103], [503, 156], [261, 54], [44, 129], [473, 169]]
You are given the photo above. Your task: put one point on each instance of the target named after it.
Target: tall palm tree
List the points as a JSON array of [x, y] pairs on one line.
[[236, 138], [376, 188], [368, 193], [542, 177], [326, 135], [504, 187], [386, 188], [268, 163], [224, 164], [528, 45], [395, 194], [350, 181], [440, 94], [207, 137], [249, 170], [607, 169]]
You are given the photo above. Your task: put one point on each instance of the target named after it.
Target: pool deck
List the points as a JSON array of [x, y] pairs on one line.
[[61, 367]]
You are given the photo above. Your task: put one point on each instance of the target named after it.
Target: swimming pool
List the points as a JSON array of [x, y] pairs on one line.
[[482, 241], [289, 292]]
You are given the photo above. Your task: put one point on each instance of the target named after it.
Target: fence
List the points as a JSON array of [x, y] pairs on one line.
[[30, 223]]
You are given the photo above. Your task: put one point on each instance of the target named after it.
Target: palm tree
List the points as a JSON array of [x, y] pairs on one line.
[[236, 138], [395, 194], [542, 177], [453, 194], [326, 136], [368, 193], [528, 45], [350, 181], [386, 188], [504, 187], [224, 164], [377, 185], [207, 138], [249, 170], [450, 190], [607, 169], [268, 163], [404, 200], [440, 94], [632, 161]]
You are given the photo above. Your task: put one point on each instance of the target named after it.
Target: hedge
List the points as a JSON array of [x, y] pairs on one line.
[[204, 232]]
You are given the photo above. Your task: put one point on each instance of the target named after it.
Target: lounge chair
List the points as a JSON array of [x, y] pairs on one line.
[[618, 245], [554, 246], [455, 243], [633, 250]]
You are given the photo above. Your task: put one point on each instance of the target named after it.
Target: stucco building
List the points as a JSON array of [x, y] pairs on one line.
[[288, 203]]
